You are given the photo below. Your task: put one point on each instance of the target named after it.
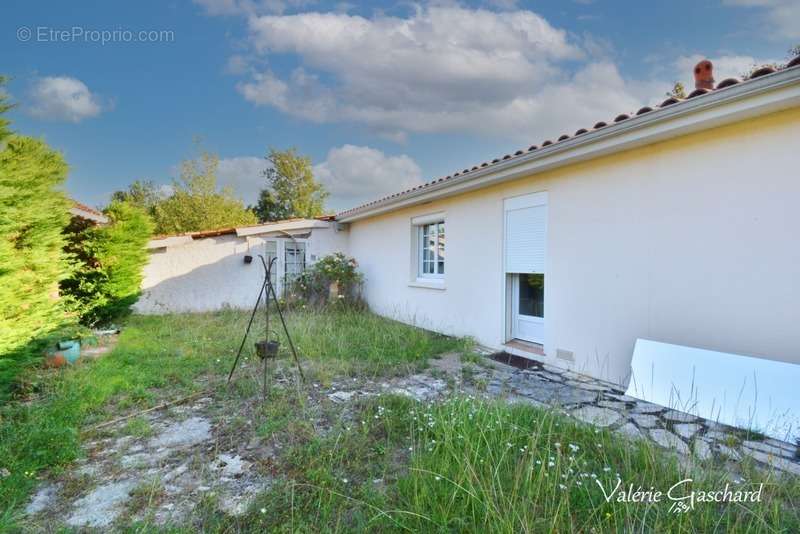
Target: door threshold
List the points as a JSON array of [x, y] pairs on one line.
[[532, 349]]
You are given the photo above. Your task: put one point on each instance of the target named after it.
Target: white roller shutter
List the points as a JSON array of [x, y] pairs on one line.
[[526, 233]]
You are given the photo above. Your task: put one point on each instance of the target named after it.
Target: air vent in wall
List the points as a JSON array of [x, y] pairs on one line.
[[565, 355]]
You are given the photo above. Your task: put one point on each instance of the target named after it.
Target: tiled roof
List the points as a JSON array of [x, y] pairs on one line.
[[215, 232], [84, 207], [671, 101], [85, 212]]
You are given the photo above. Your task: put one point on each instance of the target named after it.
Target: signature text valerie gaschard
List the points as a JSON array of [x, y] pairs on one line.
[[679, 492]]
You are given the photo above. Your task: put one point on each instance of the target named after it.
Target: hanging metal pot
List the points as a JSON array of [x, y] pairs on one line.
[[267, 348]]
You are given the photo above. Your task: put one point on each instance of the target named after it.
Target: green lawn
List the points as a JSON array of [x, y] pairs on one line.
[[391, 464]]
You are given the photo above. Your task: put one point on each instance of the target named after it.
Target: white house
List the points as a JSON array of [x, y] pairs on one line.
[[209, 270], [677, 224]]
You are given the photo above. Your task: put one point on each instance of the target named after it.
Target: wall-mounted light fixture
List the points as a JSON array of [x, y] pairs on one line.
[[248, 259]]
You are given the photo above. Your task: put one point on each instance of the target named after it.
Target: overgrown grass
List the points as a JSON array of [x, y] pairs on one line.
[[468, 465], [16, 365], [487, 466], [172, 356], [355, 342], [389, 465]]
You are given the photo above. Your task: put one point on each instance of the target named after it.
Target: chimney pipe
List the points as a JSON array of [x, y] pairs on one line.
[[704, 75]]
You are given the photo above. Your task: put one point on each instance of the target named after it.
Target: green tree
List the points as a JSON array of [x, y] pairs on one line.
[[291, 188], [5, 105], [141, 193], [197, 204], [109, 261], [33, 214]]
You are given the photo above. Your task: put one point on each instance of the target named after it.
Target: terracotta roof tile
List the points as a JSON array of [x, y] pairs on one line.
[[214, 232], [763, 71], [727, 82], [698, 92], [84, 207], [671, 101]]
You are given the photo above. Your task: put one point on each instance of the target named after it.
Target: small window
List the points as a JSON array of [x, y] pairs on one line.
[[431, 250]]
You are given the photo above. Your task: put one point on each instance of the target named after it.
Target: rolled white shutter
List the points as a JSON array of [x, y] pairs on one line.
[[526, 233]]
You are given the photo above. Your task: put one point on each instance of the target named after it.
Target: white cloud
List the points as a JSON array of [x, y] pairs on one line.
[[237, 64], [725, 66], [302, 95], [355, 174], [780, 17], [443, 68], [63, 98], [244, 175]]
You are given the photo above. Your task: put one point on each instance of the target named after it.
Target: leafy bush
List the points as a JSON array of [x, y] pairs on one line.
[[333, 277], [109, 261], [33, 214]]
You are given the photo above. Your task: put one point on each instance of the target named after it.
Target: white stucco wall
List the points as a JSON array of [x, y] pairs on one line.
[[210, 274], [691, 241], [326, 241]]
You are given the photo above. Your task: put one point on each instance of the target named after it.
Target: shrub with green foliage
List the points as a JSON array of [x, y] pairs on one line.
[[109, 261], [334, 276], [33, 214]]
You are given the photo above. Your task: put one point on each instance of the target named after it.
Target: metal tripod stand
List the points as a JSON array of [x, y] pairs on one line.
[[267, 349]]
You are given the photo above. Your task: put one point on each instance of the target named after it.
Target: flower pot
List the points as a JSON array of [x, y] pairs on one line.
[[333, 291], [67, 352]]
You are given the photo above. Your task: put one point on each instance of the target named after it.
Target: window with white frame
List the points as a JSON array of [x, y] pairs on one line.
[[430, 248], [294, 260]]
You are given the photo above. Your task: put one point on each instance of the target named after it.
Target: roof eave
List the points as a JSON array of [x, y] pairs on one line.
[[93, 216], [768, 94], [281, 226]]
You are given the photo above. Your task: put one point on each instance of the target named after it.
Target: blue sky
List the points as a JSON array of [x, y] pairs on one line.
[[381, 95]]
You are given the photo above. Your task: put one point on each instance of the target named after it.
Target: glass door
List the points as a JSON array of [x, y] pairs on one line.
[[528, 307], [294, 261]]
